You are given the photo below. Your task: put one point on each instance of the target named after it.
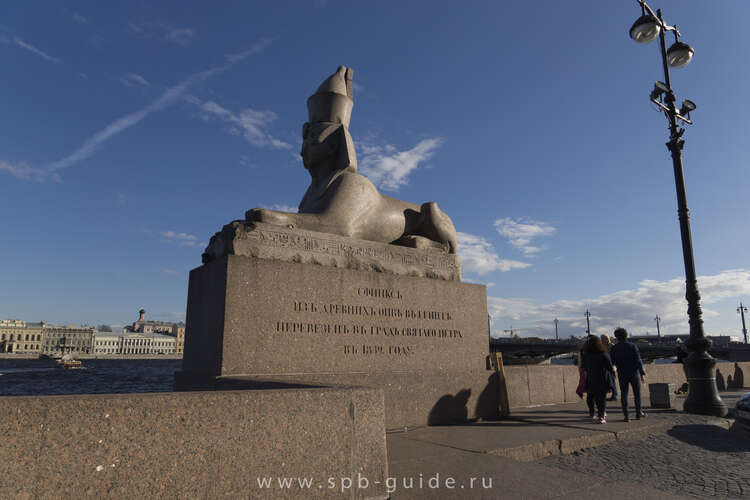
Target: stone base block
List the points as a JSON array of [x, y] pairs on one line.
[[414, 398], [251, 316], [222, 444]]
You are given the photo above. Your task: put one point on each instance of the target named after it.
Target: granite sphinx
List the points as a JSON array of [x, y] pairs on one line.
[[339, 200]]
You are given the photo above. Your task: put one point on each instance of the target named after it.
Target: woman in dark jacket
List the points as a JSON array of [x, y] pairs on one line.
[[599, 375]]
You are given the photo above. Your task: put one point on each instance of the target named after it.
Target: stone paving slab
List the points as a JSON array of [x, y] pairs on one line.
[[504, 451], [533, 433], [495, 476]]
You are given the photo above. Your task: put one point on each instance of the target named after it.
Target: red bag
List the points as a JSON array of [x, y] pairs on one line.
[[581, 383]]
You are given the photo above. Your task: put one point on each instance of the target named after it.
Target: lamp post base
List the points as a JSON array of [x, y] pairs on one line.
[[703, 396]]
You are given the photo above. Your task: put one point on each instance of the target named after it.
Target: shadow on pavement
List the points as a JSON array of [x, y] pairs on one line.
[[710, 437]]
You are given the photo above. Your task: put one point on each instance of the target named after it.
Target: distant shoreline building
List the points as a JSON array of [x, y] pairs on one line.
[[18, 336], [142, 325], [143, 337], [68, 340]]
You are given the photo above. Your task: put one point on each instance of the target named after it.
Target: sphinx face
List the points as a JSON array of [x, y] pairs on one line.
[[319, 145]]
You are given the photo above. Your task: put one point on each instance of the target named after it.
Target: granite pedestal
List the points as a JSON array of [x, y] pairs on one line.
[[257, 322]]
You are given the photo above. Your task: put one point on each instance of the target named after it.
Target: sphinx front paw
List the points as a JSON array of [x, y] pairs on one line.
[[268, 216]]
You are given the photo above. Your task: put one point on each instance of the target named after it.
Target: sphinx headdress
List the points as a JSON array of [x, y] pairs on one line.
[[332, 104]]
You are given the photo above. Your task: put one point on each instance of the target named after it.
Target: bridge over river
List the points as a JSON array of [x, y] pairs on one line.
[[535, 350]]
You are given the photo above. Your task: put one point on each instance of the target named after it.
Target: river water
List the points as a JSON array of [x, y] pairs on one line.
[[32, 377]]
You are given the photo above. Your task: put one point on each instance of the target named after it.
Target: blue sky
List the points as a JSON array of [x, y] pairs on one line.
[[133, 131]]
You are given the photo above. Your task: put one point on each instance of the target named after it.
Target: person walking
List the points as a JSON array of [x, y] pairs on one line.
[[599, 375], [630, 373], [581, 389], [608, 345]]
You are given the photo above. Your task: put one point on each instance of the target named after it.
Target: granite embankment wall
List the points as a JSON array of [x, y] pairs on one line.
[[530, 385], [192, 444]]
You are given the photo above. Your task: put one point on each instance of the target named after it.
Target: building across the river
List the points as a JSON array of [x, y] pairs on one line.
[[128, 343], [143, 337], [142, 325], [107, 343], [147, 326], [60, 340], [178, 332], [21, 337]]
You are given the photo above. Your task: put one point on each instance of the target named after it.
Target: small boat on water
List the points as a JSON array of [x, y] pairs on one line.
[[67, 362]]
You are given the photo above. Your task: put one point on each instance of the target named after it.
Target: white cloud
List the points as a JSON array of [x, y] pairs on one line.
[[520, 232], [24, 172], [633, 309], [34, 50], [78, 18], [284, 208], [389, 168], [249, 123], [134, 79], [182, 239], [180, 36], [162, 30], [479, 256], [359, 89]]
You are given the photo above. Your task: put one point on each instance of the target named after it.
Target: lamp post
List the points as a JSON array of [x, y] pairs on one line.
[[658, 331], [742, 310], [588, 326], [703, 397]]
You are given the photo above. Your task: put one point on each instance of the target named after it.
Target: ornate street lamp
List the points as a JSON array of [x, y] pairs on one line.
[[702, 398]]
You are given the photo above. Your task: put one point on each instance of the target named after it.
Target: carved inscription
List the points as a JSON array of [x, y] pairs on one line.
[[361, 325]]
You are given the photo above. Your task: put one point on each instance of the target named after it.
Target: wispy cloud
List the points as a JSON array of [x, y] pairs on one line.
[[359, 89], [172, 272], [249, 123], [479, 256], [25, 172], [132, 79], [633, 309], [34, 50], [167, 98], [78, 18], [75, 16], [284, 208], [181, 36], [389, 168], [520, 233], [245, 161], [182, 239], [162, 30]]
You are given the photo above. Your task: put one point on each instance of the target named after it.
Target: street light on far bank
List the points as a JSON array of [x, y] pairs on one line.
[[703, 397]]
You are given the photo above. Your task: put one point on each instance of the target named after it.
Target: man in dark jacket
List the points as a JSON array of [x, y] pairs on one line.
[[627, 359]]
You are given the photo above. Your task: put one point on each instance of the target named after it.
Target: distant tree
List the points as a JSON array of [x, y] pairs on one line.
[[104, 328]]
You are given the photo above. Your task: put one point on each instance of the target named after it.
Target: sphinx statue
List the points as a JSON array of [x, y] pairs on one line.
[[339, 200]]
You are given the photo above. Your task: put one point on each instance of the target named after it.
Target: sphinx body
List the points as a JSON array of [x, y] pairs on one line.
[[341, 201]]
